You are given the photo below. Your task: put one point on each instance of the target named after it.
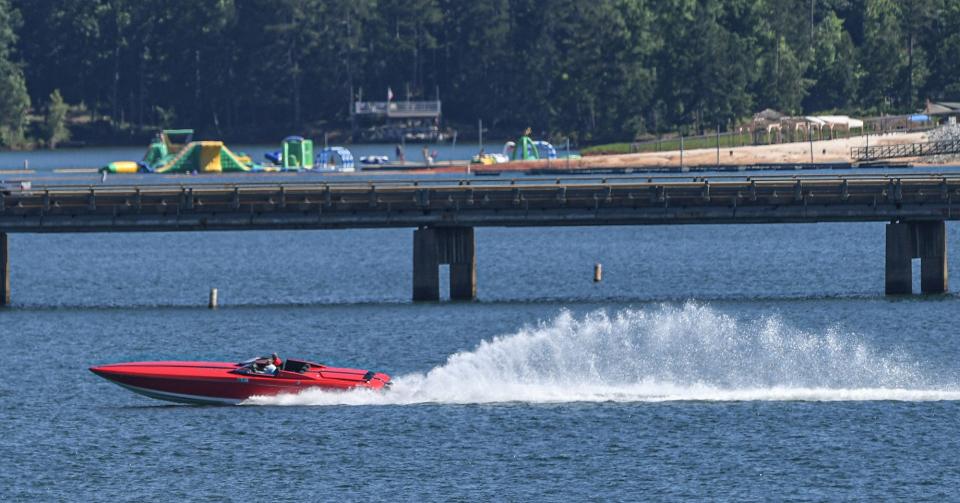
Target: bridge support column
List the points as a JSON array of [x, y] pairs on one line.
[[462, 257], [4, 270], [910, 240], [426, 276], [932, 249], [433, 246], [899, 272]]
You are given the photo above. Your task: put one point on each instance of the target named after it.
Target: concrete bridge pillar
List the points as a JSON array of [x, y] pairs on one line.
[[4, 271], [433, 246], [932, 250], [909, 240], [899, 272]]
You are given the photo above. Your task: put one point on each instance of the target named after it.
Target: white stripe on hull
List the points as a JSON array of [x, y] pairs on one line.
[[179, 397]]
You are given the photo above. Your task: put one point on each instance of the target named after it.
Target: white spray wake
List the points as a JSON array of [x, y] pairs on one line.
[[670, 353]]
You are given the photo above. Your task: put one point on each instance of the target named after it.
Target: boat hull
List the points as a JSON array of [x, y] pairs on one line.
[[225, 383]]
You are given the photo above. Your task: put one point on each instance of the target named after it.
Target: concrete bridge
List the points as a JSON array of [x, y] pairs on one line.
[[444, 212]]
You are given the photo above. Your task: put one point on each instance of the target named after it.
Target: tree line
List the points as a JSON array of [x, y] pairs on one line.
[[597, 70]]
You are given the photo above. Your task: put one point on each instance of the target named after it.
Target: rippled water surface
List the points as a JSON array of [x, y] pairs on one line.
[[712, 362]]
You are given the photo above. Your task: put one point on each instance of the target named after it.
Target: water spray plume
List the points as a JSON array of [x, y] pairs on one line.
[[688, 352]]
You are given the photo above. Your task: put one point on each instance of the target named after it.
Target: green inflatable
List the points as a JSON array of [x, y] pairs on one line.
[[525, 149]]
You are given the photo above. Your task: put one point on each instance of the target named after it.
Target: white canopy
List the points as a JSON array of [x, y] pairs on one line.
[[838, 120]]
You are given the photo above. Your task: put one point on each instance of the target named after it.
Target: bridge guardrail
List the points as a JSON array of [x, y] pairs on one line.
[[482, 182], [404, 204]]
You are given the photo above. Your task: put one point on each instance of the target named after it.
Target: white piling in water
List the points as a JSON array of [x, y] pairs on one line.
[[597, 272], [213, 299]]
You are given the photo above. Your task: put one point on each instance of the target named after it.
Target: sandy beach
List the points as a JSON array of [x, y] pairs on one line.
[[826, 151]]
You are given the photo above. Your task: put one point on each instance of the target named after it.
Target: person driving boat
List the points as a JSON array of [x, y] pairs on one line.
[[268, 365], [274, 363]]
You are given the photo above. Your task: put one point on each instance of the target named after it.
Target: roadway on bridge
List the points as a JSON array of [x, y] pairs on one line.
[[479, 201], [90, 178]]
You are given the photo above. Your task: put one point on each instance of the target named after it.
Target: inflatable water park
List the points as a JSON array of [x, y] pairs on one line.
[[524, 149], [175, 151]]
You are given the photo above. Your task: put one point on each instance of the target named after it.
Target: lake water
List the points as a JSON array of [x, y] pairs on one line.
[[754, 362]]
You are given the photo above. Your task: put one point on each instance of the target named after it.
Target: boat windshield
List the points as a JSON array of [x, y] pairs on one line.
[[296, 366], [258, 364]]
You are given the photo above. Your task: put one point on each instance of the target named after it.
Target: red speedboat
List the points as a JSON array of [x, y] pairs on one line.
[[231, 383]]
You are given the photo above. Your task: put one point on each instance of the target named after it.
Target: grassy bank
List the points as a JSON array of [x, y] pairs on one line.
[[607, 149], [668, 144]]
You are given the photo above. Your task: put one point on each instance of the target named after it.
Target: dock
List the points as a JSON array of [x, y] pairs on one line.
[[443, 213]]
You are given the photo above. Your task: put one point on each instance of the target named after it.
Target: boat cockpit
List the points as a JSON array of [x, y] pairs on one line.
[[261, 365]]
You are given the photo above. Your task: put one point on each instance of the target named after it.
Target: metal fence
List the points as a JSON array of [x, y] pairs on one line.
[[899, 150], [872, 127]]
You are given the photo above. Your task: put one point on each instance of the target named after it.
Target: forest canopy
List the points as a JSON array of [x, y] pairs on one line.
[[597, 70]]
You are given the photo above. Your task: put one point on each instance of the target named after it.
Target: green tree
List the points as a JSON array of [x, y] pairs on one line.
[[723, 69], [66, 53], [941, 44], [918, 16], [14, 100], [674, 63], [55, 122], [593, 70], [475, 48], [606, 78], [883, 56], [707, 61], [835, 69], [785, 56], [403, 38]]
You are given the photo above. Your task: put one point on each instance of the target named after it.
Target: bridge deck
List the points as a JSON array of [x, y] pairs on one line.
[[473, 202]]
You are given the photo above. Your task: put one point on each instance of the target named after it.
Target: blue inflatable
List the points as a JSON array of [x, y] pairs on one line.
[[546, 149], [335, 159]]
